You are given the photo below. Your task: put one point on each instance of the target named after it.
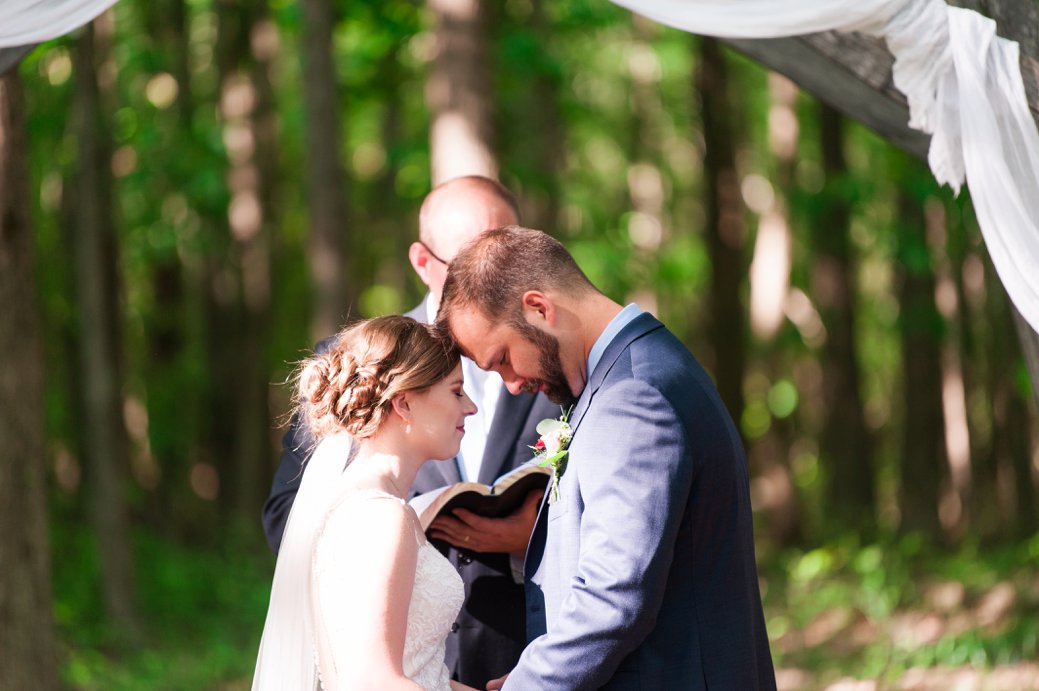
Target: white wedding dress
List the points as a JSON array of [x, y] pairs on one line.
[[309, 609], [435, 601]]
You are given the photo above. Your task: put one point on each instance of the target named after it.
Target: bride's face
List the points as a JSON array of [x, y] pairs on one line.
[[438, 417]]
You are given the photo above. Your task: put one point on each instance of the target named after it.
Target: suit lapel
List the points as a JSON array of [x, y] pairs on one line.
[[641, 325], [536, 545]]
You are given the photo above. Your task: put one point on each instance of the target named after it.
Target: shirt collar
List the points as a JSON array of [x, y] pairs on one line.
[[622, 319], [431, 309]]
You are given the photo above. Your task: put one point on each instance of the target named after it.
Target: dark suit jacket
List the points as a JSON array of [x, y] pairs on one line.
[[489, 634], [642, 574]]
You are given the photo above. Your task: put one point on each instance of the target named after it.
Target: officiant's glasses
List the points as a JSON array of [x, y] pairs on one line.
[[433, 254]]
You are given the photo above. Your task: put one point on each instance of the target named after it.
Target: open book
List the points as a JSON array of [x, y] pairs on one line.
[[494, 501]]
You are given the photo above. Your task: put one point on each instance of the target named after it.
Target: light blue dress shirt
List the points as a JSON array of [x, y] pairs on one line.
[[616, 325]]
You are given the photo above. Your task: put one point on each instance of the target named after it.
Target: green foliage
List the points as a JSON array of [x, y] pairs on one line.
[[204, 613], [876, 611]]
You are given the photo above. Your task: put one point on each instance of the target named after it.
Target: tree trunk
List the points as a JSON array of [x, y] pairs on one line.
[[392, 222], [845, 446], [544, 134], [27, 651], [770, 272], [166, 320], [100, 333], [241, 291], [725, 227], [255, 243], [647, 225], [955, 500], [10, 57], [1011, 456], [328, 241], [923, 449], [459, 93]]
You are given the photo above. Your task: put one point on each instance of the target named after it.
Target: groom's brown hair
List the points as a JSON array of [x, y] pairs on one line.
[[493, 272]]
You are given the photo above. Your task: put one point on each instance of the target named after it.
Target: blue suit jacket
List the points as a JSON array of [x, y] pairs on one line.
[[642, 575], [489, 633]]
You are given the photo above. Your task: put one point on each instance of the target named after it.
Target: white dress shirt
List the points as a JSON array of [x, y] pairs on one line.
[[484, 388]]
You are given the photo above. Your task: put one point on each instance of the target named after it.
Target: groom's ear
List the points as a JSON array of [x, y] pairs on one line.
[[537, 308]]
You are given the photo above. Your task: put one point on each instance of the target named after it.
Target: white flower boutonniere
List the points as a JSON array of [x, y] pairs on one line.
[[551, 449]]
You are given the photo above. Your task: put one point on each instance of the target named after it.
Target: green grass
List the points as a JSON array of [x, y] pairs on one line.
[[876, 611], [203, 613]]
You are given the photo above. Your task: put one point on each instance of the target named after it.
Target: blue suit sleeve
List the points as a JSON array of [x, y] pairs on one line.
[[296, 447], [634, 470]]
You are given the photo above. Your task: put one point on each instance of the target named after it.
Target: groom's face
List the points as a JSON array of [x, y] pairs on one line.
[[527, 358]]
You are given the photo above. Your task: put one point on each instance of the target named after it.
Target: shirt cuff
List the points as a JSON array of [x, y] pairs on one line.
[[517, 568]]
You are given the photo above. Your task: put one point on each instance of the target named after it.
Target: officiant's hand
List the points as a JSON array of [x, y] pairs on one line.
[[510, 535], [495, 684]]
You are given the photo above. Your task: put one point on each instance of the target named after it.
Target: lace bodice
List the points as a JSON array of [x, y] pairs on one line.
[[435, 600]]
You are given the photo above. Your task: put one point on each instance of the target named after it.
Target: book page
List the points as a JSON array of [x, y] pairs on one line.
[[506, 480]]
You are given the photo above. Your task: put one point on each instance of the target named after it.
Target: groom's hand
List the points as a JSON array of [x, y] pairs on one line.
[[495, 684], [510, 535]]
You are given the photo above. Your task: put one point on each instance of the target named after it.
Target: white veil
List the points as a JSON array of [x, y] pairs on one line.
[[286, 660]]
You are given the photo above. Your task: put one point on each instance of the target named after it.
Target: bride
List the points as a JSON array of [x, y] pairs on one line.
[[360, 599]]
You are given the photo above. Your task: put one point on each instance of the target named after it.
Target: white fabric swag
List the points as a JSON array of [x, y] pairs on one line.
[[25, 22], [963, 84], [964, 88]]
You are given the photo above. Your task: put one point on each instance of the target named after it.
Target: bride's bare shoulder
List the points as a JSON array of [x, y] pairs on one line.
[[370, 514]]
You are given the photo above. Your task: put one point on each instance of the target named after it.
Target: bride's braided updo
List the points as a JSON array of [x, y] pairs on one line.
[[349, 387]]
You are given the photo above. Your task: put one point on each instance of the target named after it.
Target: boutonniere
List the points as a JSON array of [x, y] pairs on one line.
[[551, 448]]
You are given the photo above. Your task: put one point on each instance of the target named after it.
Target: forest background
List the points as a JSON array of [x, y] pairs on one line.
[[214, 186]]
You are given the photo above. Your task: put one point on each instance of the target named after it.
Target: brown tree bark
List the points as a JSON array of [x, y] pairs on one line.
[[328, 240], [845, 446], [540, 201], [725, 226], [10, 57], [923, 457], [95, 246], [254, 455], [240, 288], [165, 327], [770, 276], [648, 224], [1009, 460], [27, 650], [391, 221], [459, 93]]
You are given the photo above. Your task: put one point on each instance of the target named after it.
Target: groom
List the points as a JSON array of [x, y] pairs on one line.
[[641, 574]]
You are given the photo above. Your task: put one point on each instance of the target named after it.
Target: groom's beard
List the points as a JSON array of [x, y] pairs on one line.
[[551, 377]]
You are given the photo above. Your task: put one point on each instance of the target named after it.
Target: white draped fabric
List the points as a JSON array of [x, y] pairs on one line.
[[964, 88], [25, 22], [963, 84], [286, 659]]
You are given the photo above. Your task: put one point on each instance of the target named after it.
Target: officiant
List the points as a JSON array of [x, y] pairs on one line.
[[490, 632]]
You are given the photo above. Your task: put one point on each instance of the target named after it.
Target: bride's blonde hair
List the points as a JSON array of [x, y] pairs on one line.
[[349, 387]]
